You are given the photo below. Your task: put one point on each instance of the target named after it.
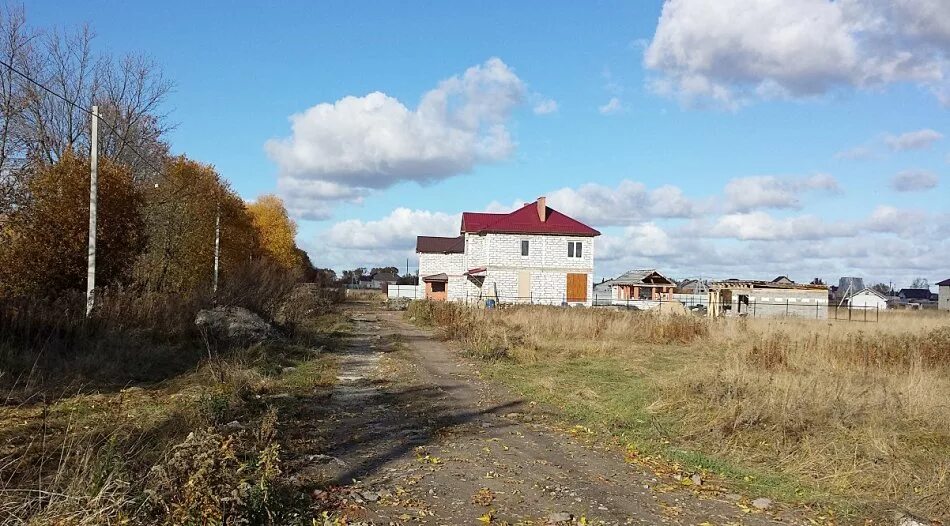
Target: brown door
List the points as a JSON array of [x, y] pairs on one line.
[[576, 287]]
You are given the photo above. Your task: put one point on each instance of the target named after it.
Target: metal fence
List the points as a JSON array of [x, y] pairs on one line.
[[696, 304]]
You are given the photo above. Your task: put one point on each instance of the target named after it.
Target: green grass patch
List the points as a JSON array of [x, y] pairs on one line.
[[613, 396]]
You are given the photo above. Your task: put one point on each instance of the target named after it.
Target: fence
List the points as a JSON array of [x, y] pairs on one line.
[[415, 292], [695, 303]]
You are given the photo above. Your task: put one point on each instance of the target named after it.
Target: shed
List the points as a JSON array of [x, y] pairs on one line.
[[868, 299], [943, 295]]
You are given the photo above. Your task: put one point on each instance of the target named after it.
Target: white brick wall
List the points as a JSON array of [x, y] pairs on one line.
[[451, 264], [501, 253]]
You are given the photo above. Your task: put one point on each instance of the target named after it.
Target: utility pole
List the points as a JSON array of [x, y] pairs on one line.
[[93, 192], [217, 248]]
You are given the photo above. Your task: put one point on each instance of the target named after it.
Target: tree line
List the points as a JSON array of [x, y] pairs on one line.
[[157, 213]]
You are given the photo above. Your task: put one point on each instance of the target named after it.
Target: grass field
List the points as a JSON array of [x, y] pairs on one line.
[[189, 449], [853, 417]]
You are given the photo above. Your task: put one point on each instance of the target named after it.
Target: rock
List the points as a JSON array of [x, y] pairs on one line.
[[233, 425], [234, 323], [560, 517], [906, 519], [697, 479], [762, 503], [369, 496], [325, 459], [513, 415]]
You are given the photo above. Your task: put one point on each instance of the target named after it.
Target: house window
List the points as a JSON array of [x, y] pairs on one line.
[[524, 247], [574, 249]]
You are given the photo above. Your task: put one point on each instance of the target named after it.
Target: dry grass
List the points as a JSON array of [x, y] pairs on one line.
[[820, 411], [161, 452]]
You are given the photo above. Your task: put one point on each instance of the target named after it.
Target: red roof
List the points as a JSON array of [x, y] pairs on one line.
[[525, 220]]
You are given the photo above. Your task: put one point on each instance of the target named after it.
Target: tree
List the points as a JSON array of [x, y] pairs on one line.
[[180, 224], [920, 283], [47, 249], [883, 288], [275, 231], [817, 281], [386, 270]]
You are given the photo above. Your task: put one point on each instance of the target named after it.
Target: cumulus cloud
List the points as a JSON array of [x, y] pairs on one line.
[[914, 181], [891, 220], [731, 52], [768, 191], [372, 142], [915, 140], [612, 107], [628, 203], [397, 230], [545, 106], [762, 226]]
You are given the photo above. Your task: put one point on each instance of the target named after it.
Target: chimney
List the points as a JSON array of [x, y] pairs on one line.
[[543, 208]]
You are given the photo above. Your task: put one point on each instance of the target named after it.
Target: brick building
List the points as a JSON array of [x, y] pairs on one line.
[[532, 255]]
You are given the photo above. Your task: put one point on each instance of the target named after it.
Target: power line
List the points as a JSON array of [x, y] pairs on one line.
[[82, 108]]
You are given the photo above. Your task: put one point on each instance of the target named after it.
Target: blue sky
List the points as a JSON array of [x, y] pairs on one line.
[[831, 131]]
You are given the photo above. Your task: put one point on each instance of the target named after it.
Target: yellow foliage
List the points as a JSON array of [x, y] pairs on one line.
[[275, 230]]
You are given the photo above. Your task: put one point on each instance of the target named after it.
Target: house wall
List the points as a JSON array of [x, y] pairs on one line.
[[453, 265], [763, 302], [943, 302], [547, 260], [866, 300]]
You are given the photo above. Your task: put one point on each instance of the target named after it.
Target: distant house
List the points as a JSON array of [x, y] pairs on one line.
[[532, 255], [743, 297], [943, 295], [382, 280], [868, 299], [783, 280], [641, 285], [692, 286], [918, 296]]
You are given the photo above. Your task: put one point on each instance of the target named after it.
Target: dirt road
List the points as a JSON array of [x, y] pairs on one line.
[[412, 435]]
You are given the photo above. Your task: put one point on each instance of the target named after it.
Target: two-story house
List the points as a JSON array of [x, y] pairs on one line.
[[532, 255]]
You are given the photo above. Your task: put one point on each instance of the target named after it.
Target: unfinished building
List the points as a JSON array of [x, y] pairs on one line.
[[754, 298]]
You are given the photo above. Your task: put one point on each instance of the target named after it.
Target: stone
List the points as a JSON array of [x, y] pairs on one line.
[[369, 496], [560, 517], [906, 519], [762, 503], [697, 479], [234, 323], [234, 425]]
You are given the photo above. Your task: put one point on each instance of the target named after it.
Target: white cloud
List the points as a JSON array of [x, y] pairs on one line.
[[914, 181], [731, 52], [628, 203], [397, 230], [892, 220], [371, 142], [612, 107], [762, 226], [749, 193], [545, 106], [915, 140]]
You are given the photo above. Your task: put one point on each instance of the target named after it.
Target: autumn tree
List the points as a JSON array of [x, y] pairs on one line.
[[275, 231], [46, 249], [181, 211]]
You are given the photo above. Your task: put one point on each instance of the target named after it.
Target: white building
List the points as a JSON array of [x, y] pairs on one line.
[[868, 299], [753, 298], [943, 295], [532, 255]]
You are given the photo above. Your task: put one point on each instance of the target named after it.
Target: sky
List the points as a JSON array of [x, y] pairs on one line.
[[720, 139]]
